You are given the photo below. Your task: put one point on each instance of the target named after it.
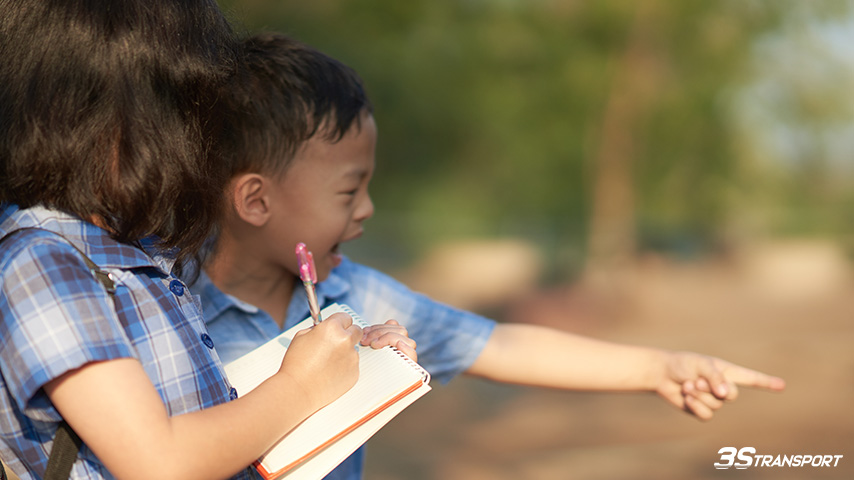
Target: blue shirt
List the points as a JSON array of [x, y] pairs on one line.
[[449, 340], [55, 317]]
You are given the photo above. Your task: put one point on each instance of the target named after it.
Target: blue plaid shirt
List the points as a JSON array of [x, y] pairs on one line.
[[55, 317], [449, 340]]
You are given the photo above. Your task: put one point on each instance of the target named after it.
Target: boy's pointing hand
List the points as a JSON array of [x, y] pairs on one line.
[[700, 384]]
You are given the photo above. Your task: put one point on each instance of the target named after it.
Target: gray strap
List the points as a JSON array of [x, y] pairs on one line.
[[66, 446]]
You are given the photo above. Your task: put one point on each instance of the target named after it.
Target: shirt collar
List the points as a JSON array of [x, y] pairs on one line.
[[216, 301], [92, 240]]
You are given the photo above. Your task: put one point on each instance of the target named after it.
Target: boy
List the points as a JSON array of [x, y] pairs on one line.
[[302, 145]]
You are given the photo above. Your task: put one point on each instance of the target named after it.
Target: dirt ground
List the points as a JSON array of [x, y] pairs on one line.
[[785, 309]]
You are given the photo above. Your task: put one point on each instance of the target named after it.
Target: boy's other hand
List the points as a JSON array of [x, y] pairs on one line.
[[390, 333], [322, 360], [700, 384]]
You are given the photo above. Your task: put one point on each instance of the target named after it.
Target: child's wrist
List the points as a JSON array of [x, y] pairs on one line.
[[658, 366], [291, 392]]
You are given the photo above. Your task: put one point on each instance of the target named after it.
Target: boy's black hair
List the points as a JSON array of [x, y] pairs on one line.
[[105, 112], [286, 93]]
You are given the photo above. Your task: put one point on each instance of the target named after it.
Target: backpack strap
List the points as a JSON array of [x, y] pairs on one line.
[[66, 443], [66, 446]]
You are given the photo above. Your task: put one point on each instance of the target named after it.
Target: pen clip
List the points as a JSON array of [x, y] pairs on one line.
[[305, 273]]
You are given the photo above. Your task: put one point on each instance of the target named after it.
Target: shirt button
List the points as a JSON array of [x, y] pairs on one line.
[[232, 394], [207, 340], [176, 287]]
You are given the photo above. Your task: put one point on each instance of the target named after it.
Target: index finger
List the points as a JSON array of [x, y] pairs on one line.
[[752, 378]]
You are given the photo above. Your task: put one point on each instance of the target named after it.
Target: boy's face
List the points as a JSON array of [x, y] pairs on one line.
[[322, 199]]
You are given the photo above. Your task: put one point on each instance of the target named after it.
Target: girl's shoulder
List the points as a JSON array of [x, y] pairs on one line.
[[31, 242]]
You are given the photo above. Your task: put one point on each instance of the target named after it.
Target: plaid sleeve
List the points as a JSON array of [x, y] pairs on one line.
[[55, 317]]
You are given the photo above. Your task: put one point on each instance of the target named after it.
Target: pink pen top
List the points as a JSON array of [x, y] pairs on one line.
[[308, 275], [307, 270]]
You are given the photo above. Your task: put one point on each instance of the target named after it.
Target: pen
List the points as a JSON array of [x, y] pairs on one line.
[[308, 275]]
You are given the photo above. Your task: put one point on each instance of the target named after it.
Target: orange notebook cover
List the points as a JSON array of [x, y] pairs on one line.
[[389, 381]]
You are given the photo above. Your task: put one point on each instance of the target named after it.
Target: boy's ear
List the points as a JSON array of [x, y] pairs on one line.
[[250, 198]]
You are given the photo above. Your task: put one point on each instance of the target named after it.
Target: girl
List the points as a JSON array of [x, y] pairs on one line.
[[104, 169]]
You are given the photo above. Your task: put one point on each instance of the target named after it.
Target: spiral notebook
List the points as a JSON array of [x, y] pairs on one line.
[[389, 381]]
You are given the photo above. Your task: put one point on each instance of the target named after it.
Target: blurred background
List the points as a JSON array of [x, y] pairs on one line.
[[674, 174]]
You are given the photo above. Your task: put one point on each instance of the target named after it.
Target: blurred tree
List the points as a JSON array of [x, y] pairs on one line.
[[796, 122], [584, 126]]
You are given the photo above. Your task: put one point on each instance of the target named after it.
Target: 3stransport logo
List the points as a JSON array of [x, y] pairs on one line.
[[746, 457]]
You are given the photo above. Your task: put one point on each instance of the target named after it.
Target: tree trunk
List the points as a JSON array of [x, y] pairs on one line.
[[612, 235]]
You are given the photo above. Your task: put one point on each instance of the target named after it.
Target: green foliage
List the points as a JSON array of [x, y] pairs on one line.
[[490, 112]]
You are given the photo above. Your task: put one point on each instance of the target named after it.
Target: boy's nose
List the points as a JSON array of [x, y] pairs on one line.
[[365, 209]]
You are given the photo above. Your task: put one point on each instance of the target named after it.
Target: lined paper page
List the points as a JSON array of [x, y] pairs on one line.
[[382, 376], [323, 462]]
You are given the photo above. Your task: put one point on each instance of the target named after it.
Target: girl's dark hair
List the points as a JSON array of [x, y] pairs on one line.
[[105, 111], [286, 92]]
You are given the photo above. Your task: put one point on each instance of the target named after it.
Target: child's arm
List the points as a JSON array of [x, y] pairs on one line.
[[117, 412], [539, 356], [390, 333]]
